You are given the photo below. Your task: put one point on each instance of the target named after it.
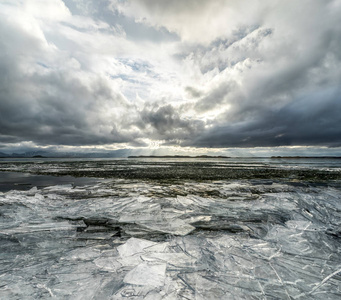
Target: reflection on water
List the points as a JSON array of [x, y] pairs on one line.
[[25, 181]]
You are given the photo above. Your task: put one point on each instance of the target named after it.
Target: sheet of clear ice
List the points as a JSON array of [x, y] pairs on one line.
[[137, 240]]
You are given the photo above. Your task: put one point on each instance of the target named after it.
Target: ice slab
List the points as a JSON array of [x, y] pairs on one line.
[[176, 227], [147, 274], [122, 239], [134, 246]]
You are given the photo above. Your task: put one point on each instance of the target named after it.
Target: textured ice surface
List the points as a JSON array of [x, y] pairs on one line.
[[147, 274], [123, 239]]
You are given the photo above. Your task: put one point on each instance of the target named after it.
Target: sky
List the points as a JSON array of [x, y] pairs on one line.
[[171, 77]]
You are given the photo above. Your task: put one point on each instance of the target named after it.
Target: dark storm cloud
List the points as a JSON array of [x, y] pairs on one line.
[[55, 102], [193, 73], [312, 120], [56, 108], [68, 117], [215, 97], [278, 99], [165, 122]]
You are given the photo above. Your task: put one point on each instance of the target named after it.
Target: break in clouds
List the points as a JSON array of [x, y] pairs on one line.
[[187, 73]]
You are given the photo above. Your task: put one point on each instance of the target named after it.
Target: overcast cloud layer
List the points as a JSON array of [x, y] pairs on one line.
[[196, 73]]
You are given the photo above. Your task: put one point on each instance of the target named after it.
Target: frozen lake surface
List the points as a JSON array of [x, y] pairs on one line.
[[171, 229]]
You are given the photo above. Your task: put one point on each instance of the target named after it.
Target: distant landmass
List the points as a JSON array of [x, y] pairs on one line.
[[177, 156], [298, 157], [124, 153]]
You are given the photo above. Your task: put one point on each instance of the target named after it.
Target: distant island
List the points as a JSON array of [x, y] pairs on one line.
[[298, 157], [122, 154], [221, 156], [177, 156]]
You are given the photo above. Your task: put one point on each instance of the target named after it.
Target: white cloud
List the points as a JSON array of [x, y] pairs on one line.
[[195, 21], [236, 75]]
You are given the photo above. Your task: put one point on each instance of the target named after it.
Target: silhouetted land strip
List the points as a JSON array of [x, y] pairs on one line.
[[307, 157], [177, 156]]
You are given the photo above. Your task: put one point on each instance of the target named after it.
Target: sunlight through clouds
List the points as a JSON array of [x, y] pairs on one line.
[[151, 74]]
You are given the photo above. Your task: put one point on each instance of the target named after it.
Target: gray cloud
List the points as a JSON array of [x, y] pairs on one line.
[[193, 92], [106, 11], [86, 73], [63, 112], [57, 108], [55, 104], [165, 123], [312, 120]]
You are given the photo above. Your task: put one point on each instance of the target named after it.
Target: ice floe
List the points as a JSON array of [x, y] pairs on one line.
[[148, 240]]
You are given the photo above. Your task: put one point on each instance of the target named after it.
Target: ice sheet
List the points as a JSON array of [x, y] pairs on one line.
[[147, 274], [148, 240]]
